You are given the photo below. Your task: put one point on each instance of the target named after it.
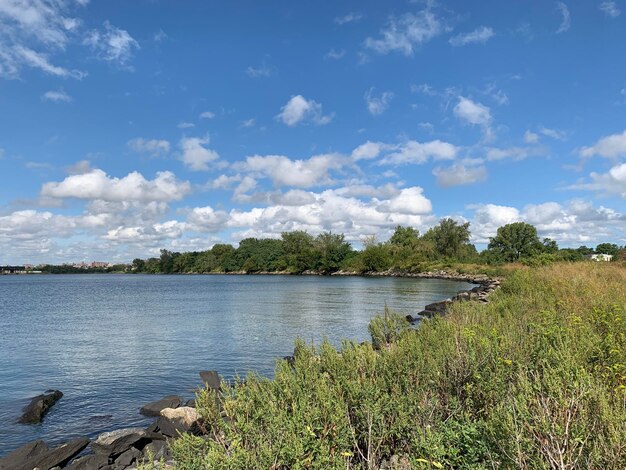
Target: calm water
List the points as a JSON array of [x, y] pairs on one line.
[[112, 343]]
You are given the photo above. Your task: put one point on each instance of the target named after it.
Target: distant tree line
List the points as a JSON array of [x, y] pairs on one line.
[[407, 250]]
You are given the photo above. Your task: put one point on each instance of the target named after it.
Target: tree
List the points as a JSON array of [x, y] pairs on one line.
[[515, 241], [607, 249], [299, 250], [331, 250], [449, 237], [550, 246], [405, 237]]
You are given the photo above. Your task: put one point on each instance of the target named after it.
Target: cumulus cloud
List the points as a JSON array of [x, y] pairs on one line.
[[610, 9], [566, 19], [195, 155], [406, 32], [262, 71], [553, 133], [612, 182], [185, 125], [472, 112], [479, 36], [96, 184], [368, 150], [207, 115], [513, 153], [335, 54], [299, 110], [112, 44], [153, 147], [612, 146], [459, 174], [58, 96], [413, 152], [377, 104], [297, 173]]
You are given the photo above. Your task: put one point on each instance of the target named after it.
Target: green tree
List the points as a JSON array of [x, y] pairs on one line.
[[449, 237], [138, 265], [607, 249], [299, 250], [331, 250], [405, 237], [549, 246], [515, 241]]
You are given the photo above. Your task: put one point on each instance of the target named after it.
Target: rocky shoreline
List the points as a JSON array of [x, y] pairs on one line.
[[126, 448]]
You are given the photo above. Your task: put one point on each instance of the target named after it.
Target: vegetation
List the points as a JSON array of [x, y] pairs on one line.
[[534, 379], [444, 246]]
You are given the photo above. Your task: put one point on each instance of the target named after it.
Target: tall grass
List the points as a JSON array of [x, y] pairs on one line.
[[534, 379]]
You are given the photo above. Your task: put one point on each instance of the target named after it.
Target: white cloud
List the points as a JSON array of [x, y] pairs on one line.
[[612, 146], [406, 32], [566, 21], [154, 147], [31, 30], [80, 167], [297, 173], [408, 201], [513, 153], [423, 88], [351, 17], [112, 44], [246, 185], [610, 9], [159, 36], [413, 152], [611, 183], [264, 70], [96, 184], [335, 54], [185, 125], [553, 133], [531, 137], [195, 155], [207, 115], [247, 123], [58, 96], [472, 112], [479, 36], [207, 219], [377, 104], [298, 109], [459, 174], [224, 181], [367, 151]]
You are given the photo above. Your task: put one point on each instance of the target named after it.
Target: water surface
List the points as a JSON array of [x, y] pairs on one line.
[[112, 343]]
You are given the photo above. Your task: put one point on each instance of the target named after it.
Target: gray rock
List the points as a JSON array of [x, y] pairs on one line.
[[116, 442], [22, 455], [59, 456], [165, 427], [39, 406], [154, 408], [89, 462], [127, 458], [211, 379]]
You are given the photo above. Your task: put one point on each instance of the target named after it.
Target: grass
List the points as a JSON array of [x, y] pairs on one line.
[[534, 379]]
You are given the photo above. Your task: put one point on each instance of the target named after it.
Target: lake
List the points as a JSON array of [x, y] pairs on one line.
[[112, 343]]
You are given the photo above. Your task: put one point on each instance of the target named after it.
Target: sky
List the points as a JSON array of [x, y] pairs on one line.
[[127, 127]]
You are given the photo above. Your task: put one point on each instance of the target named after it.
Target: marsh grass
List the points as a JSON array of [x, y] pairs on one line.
[[534, 379]]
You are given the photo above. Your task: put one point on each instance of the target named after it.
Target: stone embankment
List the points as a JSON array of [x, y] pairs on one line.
[[122, 448]]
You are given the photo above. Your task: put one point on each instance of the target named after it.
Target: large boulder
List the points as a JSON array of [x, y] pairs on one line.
[[117, 442], [57, 457], [22, 455], [184, 418], [211, 379], [163, 426], [39, 406], [154, 408], [129, 457]]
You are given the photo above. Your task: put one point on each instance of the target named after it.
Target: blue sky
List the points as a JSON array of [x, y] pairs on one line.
[[127, 127]]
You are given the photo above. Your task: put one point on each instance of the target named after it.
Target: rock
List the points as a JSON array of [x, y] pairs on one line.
[[164, 427], [89, 462], [438, 307], [39, 406], [127, 458], [415, 318], [154, 408], [116, 442], [59, 456], [291, 360], [191, 402], [211, 379], [396, 462], [185, 418], [156, 450], [23, 454]]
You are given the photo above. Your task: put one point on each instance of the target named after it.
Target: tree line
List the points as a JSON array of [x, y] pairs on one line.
[[407, 250]]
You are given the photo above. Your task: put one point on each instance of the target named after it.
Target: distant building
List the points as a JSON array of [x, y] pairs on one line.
[[600, 257], [100, 264], [12, 269]]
